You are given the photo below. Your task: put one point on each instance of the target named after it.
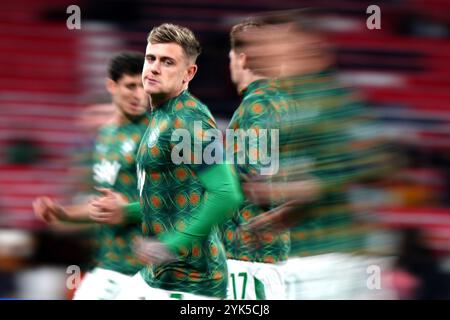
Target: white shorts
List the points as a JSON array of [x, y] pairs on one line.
[[336, 276], [255, 281], [137, 289], [101, 284]]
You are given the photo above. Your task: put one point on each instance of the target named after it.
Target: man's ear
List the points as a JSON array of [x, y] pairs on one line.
[[242, 60], [111, 86], [191, 71]]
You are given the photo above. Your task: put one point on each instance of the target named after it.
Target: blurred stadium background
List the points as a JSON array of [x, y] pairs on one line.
[[50, 76]]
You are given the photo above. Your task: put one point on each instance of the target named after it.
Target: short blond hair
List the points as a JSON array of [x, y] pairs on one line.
[[171, 33]]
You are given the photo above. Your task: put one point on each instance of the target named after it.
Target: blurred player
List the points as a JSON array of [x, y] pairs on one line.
[[253, 259], [333, 116], [181, 196], [90, 120], [332, 143], [113, 167]]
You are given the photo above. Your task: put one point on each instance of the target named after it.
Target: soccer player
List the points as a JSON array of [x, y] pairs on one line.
[[183, 197], [331, 136], [113, 167], [253, 259], [332, 143]]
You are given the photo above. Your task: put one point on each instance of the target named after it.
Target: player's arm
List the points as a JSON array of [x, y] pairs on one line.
[[223, 196], [114, 208], [51, 211], [278, 219]]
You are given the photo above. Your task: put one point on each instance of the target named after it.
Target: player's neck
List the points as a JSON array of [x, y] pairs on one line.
[[124, 119], [307, 67], [247, 80], [159, 99]]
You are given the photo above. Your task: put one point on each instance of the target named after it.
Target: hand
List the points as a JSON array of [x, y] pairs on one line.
[[276, 220], [151, 251], [265, 221], [48, 210], [108, 208], [262, 193]]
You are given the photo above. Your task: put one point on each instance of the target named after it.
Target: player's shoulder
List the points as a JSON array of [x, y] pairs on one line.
[[145, 121], [260, 104], [187, 105], [262, 91], [107, 128], [187, 101]]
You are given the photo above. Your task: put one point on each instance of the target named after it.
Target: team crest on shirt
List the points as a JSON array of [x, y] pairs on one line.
[[128, 146], [153, 137], [106, 171]]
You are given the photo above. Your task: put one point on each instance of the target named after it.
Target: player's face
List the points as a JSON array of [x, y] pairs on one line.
[[167, 70], [128, 95]]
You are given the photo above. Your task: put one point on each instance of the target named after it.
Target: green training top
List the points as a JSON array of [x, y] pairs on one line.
[[172, 195], [332, 138], [262, 108], [115, 167]]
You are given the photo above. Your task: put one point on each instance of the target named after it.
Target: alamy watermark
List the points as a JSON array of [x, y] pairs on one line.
[[241, 147], [74, 20], [74, 277], [374, 20], [373, 281]]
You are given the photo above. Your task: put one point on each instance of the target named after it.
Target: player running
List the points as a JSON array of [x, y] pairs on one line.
[[114, 167]]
